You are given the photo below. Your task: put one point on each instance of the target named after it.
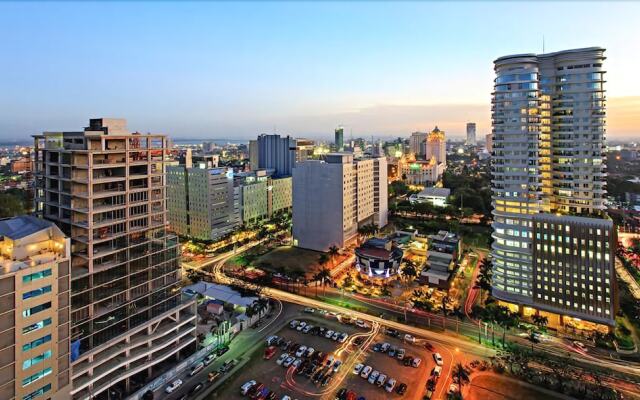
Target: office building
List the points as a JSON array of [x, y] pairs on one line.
[[489, 142], [254, 164], [105, 189], [262, 195], [304, 149], [277, 153], [436, 147], [339, 138], [334, 197], [548, 144], [416, 144], [34, 318], [471, 134], [201, 201]]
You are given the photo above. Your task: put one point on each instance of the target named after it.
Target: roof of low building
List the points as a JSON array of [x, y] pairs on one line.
[[22, 226]]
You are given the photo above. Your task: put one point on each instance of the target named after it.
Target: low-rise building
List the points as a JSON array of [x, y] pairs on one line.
[[433, 195], [378, 258], [442, 258], [34, 317]]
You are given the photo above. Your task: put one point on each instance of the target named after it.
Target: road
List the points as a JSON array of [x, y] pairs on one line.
[[450, 341]]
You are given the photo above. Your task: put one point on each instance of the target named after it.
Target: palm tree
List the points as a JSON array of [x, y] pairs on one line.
[[540, 321], [409, 270], [462, 374], [506, 319], [324, 275], [333, 253], [485, 275]]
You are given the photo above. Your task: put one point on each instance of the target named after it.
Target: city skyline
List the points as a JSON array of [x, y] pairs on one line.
[[237, 70]]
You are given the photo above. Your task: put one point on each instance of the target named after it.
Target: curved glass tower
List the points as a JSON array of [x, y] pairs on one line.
[[548, 153]]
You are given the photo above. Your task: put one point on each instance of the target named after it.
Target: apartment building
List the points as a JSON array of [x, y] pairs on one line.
[[548, 141], [201, 201], [105, 188], [416, 143], [34, 317], [471, 134], [332, 198]]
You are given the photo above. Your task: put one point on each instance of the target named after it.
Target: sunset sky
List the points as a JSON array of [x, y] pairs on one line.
[[234, 70]]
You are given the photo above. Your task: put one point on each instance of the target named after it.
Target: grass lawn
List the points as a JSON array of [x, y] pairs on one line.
[[496, 387], [291, 258]]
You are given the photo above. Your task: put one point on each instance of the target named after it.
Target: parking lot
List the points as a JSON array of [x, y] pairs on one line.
[[285, 376]]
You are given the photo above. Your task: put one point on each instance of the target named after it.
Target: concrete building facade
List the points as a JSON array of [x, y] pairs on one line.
[[35, 285], [334, 197], [416, 143], [471, 134], [105, 188], [436, 147], [277, 153]]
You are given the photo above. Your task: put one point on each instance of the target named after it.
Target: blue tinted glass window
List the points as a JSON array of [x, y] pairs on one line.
[[37, 292]]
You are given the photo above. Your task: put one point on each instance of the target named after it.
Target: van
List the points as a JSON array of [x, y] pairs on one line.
[[196, 368]]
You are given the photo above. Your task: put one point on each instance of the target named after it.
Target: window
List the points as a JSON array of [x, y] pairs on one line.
[[37, 292], [36, 343], [36, 360], [34, 310], [40, 374], [36, 275], [36, 326], [38, 392]]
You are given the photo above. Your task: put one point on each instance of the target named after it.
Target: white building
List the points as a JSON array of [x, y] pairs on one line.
[[436, 146], [332, 198], [434, 195]]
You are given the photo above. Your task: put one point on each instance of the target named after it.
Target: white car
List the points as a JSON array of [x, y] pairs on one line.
[[579, 345], [293, 324], [453, 388], [358, 368], [173, 386], [365, 372], [328, 334], [337, 365], [271, 340], [416, 362], [297, 362], [390, 385], [196, 368], [287, 363], [307, 328], [209, 359], [282, 358], [309, 310], [400, 354], [309, 352], [409, 338], [385, 347], [382, 378], [343, 337], [438, 358], [374, 375], [301, 351], [244, 389], [335, 336], [301, 326], [361, 324]]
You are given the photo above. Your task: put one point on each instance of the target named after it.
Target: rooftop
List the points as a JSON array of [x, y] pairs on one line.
[[22, 226], [435, 191]]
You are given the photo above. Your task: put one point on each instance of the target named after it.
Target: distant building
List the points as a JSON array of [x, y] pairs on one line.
[[21, 165], [277, 153], [433, 195], [436, 147], [334, 197], [35, 283], [471, 134], [339, 139], [442, 257], [378, 258], [419, 172], [262, 195], [489, 142], [304, 149], [254, 152], [417, 143]]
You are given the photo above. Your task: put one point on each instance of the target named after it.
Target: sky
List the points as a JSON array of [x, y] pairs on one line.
[[235, 70]]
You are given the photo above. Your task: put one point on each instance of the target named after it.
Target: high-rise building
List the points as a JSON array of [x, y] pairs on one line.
[[200, 201], [416, 143], [254, 164], [436, 146], [471, 134], [334, 197], [489, 142], [105, 189], [34, 318], [262, 195], [548, 144], [304, 149], [277, 153], [339, 138]]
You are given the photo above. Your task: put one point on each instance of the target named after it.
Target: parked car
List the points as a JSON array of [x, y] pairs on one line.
[[196, 368], [244, 389], [390, 385], [343, 337], [271, 340], [409, 338], [453, 388], [361, 324], [255, 391], [342, 394], [402, 388], [392, 332], [282, 358], [329, 361], [269, 352], [377, 347], [392, 351], [382, 378], [416, 362], [293, 324], [428, 395], [173, 386], [335, 336], [309, 310], [373, 377], [309, 352], [437, 371], [408, 360], [385, 346], [222, 350], [366, 371], [438, 359], [297, 363], [400, 354], [336, 365], [226, 367], [307, 328], [329, 334], [358, 368], [209, 358], [301, 351], [287, 363], [301, 326]]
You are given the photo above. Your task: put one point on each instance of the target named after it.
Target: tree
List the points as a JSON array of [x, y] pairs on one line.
[[409, 270], [485, 275], [462, 374], [540, 321], [333, 253], [323, 276], [10, 206]]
